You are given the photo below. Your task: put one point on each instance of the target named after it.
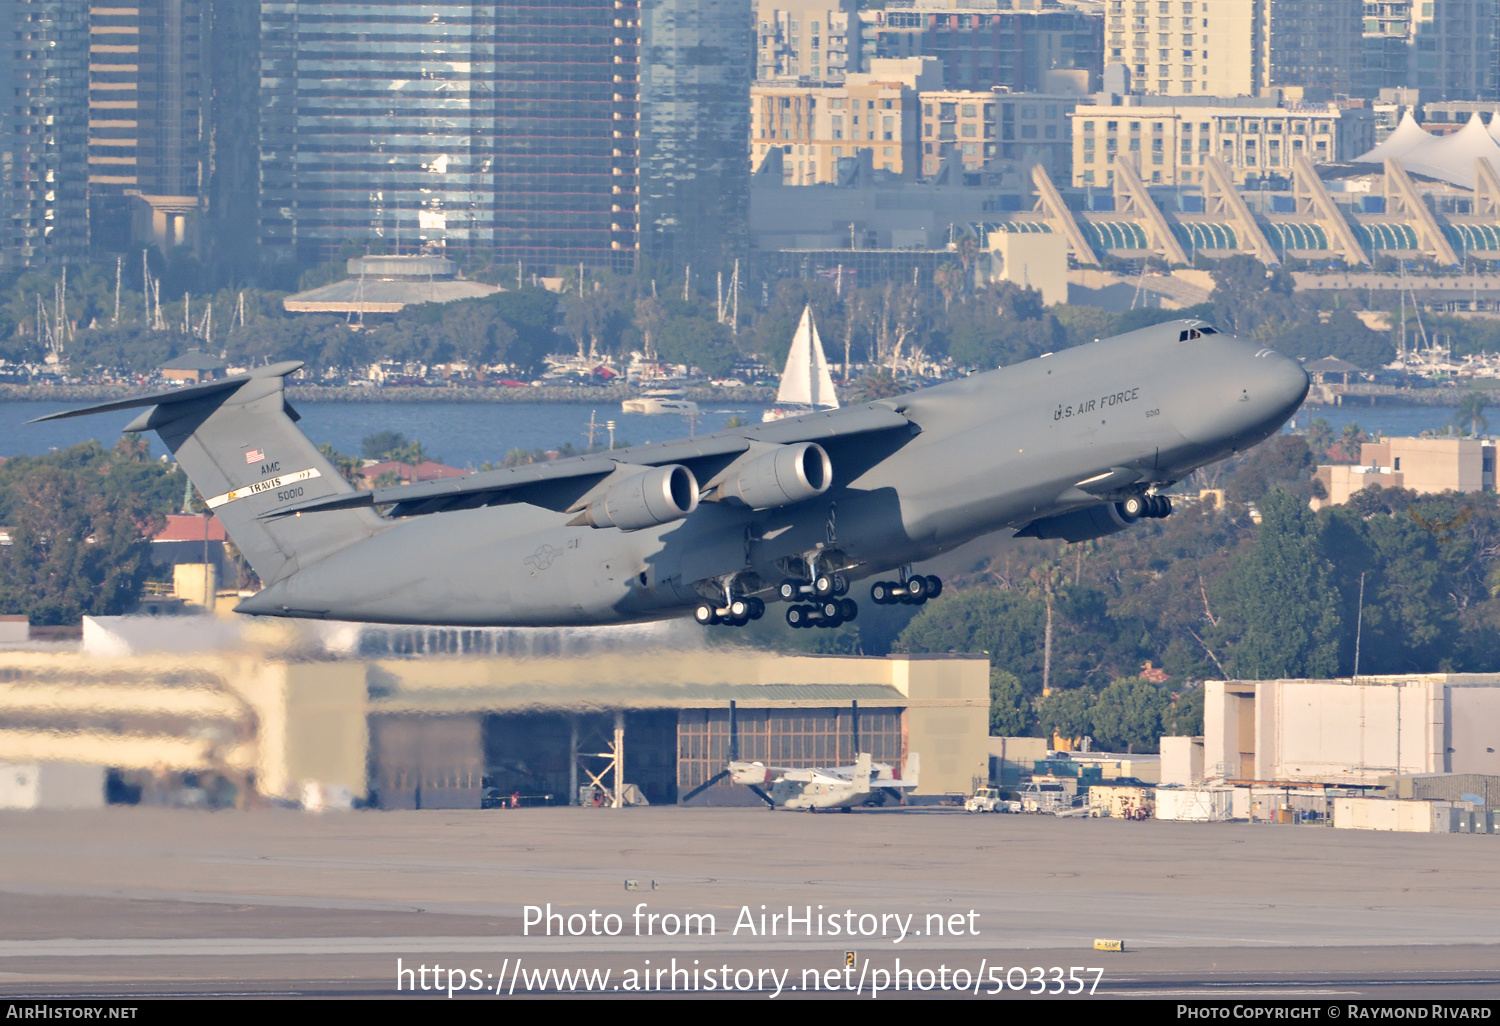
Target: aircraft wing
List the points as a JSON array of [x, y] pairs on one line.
[[559, 485]]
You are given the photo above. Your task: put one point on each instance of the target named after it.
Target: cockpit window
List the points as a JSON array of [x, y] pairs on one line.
[[1196, 333]]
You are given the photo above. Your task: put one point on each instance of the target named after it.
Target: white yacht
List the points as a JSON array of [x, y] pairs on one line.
[[806, 384], [660, 402]]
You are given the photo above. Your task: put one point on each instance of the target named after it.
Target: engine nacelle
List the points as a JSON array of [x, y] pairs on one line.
[[1081, 524], [655, 496], [791, 473], [749, 773]]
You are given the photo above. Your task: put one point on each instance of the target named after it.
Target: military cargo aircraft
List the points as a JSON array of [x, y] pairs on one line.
[[1072, 445]]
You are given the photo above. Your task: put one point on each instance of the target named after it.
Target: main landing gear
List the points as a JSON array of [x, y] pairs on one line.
[[1148, 507], [830, 612], [916, 590], [739, 612]]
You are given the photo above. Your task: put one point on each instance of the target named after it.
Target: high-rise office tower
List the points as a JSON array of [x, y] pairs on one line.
[[1448, 49], [45, 140], [695, 67], [517, 130], [146, 125], [505, 129]]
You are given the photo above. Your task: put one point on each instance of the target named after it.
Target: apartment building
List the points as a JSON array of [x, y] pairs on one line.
[[1169, 141], [1235, 47], [875, 112], [811, 40], [1448, 49], [981, 47], [982, 129]]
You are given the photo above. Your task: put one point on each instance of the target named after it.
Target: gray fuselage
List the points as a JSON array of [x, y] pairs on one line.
[[985, 453]]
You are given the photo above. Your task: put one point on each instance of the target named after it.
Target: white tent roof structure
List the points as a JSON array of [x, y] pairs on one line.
[[1448, 158], [1407, 136]]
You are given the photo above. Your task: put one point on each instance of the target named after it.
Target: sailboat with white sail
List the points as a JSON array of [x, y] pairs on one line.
[[806, 384]]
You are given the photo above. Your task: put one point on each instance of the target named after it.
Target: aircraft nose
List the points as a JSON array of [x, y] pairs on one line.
[[1280, 385], [1249, 394]]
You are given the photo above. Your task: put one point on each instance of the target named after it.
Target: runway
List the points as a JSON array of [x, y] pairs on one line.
[[148, 902]]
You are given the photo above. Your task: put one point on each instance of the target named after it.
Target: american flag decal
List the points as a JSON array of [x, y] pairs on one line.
[[254, 456]]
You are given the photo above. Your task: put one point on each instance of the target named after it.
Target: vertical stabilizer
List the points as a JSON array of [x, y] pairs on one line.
[[862, 773], [239, 444]]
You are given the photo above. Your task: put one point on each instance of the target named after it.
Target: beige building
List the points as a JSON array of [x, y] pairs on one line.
[[433, 718], [1339, 731], [815, 127], [1428, 466], [982, 129], [1235, 47], [806, 40], [1169, 143], [1185, 47], [1032, 260]]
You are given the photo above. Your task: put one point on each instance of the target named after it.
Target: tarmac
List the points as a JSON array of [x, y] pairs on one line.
[[144, 902]]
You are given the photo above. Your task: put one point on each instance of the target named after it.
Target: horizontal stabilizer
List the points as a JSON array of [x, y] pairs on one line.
[[186, 394], [908, 782]]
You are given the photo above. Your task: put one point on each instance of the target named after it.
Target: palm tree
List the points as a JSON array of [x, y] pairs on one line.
[[1471, 413], [1045, 578], [950, 282]]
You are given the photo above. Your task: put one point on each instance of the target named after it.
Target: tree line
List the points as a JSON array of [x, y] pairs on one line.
[[898, 327], [1258, 587]]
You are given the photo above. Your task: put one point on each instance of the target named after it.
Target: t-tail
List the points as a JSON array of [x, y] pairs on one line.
[[238, 441]]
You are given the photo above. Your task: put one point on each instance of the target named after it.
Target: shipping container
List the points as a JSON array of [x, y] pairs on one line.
[[1196, 805]]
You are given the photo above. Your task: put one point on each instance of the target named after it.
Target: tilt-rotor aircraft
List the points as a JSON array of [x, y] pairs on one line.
[[819, 789], [1072, 445]]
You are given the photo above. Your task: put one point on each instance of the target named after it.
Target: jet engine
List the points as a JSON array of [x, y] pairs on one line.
[[788, 474], [1081, 524], [655, 496]]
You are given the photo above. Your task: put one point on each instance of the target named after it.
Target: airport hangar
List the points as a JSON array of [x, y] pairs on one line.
[[429, 718]]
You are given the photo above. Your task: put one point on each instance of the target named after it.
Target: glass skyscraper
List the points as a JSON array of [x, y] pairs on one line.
[[519, 130], [44, 143], [696, 62]]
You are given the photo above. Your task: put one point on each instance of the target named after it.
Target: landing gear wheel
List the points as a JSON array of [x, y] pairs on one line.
[[831, 612], [848, 609], [1134, 507], [880, 593], [916, 590], [934, 585], [840, 584], [757, 608], [823, 585], [796, 616], [1164, 507], [705, 614], [789, 589], [739, 610]]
